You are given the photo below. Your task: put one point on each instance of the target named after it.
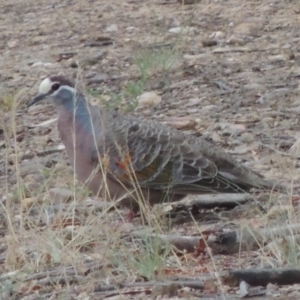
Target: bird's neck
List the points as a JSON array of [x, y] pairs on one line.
[[79, 110]]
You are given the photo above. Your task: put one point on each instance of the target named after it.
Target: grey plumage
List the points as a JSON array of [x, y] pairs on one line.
[[117, 155]]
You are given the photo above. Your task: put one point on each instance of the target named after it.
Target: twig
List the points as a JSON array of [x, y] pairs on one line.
[[42, 153], [279, 152], [241, 49], [225, 242]]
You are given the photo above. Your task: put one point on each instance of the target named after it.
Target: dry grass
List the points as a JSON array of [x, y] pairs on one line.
[[40, 234], [44, 235]]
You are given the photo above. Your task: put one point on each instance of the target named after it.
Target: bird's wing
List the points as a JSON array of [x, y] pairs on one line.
[[157, 157]]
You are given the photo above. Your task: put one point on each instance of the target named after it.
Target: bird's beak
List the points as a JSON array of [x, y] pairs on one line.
[[37, 98]]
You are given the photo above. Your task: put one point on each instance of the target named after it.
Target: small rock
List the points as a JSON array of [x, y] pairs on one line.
[[229, 129], [165, 292], [90, 75], [34, 182], [126, 227], [146, 113], [268, 120], [29, 167], [209, 43], [194, 101], [60, 195], [185, 2], [130, 29], [12, 43], [234, 40], [183, 123], [28, 202], [243, 289], [148, 99], [193, 110], [51, 160], [247, 137], [273, 289], [249, 29], [183, 30], [278, 94], [198, 57], [90, 61], [217, 35], [39, 63], [100, 54], [66, 55], [240, 150], [73, 64], [210, 285], [108, 8], [98, 79], [254, 86], [112, 28], [277, 58], [260, 100]]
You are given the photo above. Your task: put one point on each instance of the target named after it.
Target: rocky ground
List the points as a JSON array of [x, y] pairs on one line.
[[226, 70]]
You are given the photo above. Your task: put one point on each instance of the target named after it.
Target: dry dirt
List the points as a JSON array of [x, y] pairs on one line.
[[230, 72]]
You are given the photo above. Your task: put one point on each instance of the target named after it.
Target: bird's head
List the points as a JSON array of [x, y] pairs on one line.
[[58, 88]]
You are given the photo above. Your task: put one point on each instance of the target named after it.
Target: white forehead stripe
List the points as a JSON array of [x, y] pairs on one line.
[[45, 86]]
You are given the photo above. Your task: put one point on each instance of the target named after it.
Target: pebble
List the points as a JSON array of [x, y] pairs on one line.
[[228, 128], [183, 30], [42, 64], [98, 79], [217, 35], [194, 101], [148, 99], [234, 40], [112, 28], [183, 123], [185, 2]]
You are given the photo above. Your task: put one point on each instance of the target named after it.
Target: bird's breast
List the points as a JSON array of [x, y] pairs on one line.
[[78, 141]]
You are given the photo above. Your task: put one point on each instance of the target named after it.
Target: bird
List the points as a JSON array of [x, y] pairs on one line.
[[124, 157]]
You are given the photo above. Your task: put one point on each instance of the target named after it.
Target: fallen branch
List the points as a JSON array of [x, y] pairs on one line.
[[169, 288], [262, 277], [215, 200], [248, 239], [231, 242]]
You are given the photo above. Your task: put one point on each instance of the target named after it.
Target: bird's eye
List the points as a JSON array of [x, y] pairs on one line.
[[55, 86]]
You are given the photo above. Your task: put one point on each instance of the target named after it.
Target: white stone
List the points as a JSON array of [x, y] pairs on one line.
[[112, 28], [183, 30], [148, 99]]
